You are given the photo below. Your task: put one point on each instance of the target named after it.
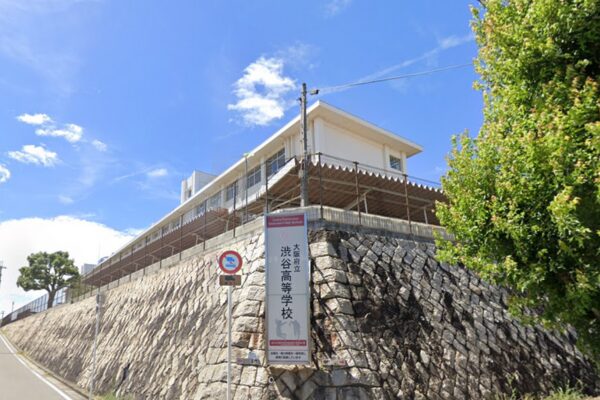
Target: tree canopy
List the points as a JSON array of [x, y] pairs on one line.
[[48, 271], [524, 195]]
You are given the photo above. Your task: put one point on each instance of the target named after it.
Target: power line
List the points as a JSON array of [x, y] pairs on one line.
[[391, 78]]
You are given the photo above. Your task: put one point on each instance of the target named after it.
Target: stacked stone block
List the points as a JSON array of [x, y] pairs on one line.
[[389, 321], [415, 328]]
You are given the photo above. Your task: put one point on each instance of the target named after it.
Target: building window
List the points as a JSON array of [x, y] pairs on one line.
[[230, 191], [253, 177], [214, 201], [189, 215], [275, 162], [396, 163]]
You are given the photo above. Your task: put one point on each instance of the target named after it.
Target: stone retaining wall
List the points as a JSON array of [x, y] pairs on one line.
[[404, 325]]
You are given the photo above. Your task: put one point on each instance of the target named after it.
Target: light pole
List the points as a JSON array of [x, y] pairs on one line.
[[246, 155]]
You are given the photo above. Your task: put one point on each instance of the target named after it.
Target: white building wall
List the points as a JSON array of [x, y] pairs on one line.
[[338, 142], [331, 132], [330, 139]]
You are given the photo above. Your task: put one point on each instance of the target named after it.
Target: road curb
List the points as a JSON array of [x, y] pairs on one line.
[[43, 369]]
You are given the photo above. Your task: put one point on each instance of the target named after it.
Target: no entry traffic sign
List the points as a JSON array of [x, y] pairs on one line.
[[230, 262]]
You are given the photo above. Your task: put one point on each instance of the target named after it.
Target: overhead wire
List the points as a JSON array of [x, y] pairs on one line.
[[390, 78]]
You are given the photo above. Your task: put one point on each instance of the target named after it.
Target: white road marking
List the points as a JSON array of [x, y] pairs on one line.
[[14, 353]]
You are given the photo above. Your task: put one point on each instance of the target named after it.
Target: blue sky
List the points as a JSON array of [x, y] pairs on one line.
[[106, 105]]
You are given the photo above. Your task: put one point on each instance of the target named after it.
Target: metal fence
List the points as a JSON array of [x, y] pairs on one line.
[[344, 190], [36, 306], [332, 182]]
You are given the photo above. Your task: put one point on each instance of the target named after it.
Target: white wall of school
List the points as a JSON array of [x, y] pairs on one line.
[[339, 142]]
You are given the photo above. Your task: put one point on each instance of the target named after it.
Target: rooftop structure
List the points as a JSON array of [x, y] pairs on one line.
[[86, 268], [194, 184], [354, 165]]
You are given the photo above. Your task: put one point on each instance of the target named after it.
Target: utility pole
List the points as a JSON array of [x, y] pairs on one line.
[[305, 163], [304, 182], [313, 92], [1, 268]]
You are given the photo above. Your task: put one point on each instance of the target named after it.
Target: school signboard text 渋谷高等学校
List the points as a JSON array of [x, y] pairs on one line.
[[287, 289]]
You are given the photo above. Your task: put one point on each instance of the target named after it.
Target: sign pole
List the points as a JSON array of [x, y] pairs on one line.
[[229, 290], [230, 262], [99, 301]]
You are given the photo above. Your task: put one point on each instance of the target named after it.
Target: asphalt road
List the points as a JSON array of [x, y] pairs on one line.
[[19, 382]]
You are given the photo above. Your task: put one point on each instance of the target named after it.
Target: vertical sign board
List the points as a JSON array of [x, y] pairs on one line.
[[287, 289]]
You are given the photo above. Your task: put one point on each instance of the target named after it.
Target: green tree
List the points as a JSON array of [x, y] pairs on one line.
[[49, 272], [524, 195]]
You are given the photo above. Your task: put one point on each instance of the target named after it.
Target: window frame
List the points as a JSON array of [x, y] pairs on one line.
[[212, 203], [393, 160], [253, 177], [277, 159], [231, 191]]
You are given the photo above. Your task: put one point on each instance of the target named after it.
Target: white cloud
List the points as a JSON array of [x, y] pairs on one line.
[[134, 231], [334, 7], [261, 92], [453, 41], [100, 146], [31, 154], [51, 50], [157, 173], [71, 132], [298, 56], [35, 119], [85, 241], [4, 174], [429, 57], [65, 199], [147, 181]]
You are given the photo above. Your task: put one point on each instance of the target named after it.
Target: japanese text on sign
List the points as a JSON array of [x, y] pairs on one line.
[[287, 275]]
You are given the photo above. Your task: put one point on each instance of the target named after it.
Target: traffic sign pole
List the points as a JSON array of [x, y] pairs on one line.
[[99, 304], [230, 262], [229, 290]]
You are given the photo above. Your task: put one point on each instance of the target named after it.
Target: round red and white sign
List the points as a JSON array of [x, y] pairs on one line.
[[230, 262]]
